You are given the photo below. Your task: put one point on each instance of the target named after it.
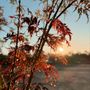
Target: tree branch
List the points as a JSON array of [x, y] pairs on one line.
[[16, 47], [45, 35], [55, 18], [57, 9], [65, 9], [43, 40]]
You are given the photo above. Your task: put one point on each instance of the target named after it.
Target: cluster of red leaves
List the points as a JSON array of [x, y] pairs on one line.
[[54, 41], [13, 37], [32, 24], [61, 28], [20, 38], [20, 59], [5, 67], [20, 56], [27, 47], [22, 67], [50, 71], [31, 29]]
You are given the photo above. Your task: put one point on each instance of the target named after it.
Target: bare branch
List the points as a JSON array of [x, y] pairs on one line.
[[57, 9], [66, 8]]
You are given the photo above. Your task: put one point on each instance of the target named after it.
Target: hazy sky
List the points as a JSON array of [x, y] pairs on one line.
[[81, 29]]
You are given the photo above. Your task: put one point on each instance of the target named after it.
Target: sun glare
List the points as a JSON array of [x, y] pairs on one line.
[[61, 49]]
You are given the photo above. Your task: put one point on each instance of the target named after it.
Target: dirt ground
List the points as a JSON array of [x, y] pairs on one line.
[[73, 78]]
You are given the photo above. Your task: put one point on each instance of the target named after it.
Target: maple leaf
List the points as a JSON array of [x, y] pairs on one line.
[[54, 41], [31, 29], [12, 17], [61, 28]]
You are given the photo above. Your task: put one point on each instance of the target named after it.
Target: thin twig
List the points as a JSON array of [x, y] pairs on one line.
[[16, 47], [65, 9]]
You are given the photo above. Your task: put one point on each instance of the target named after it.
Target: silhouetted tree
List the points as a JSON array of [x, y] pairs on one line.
[[25, 58]]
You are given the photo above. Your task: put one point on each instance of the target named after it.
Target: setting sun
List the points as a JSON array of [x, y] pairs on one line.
[[60, 49]]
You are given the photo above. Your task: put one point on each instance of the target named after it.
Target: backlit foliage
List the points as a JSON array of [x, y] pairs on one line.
[[2, 19], [25, 58]]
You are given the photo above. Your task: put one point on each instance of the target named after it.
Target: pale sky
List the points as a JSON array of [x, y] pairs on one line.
[[81, 30]]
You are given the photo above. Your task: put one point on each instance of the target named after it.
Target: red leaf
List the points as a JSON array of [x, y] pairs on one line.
[[12, 16], [67, 42], [31, 29], [61, 28], [56, 23], [20, 38]]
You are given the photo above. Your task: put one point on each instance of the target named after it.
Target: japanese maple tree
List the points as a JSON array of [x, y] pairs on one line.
[[25, 58]]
